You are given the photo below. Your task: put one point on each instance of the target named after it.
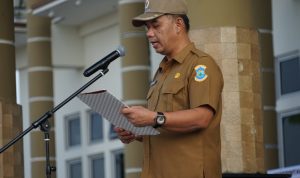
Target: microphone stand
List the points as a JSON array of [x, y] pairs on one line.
[[42, 122]]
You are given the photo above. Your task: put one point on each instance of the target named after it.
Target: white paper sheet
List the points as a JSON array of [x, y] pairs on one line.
[[110, 108]]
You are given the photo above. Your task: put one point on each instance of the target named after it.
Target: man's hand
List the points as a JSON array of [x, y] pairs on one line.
[[139, 116], [126, 136]]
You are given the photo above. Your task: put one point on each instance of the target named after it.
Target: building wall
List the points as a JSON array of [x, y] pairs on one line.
[[286, 27]]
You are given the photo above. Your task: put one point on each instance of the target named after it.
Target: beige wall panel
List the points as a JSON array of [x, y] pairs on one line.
[[137, 52], [271, 158], [11, 160], [37, 109], [7, 73], [38, 144], [267, 52], [246, 13], [39, 54], [39, 26], [133, 158], [128, 11], [136, 85], [38, 169], [268, 89], [270, 127], [7, 24], [40, 83]]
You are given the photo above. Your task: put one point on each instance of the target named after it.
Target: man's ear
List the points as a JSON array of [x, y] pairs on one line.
[[179, 24]]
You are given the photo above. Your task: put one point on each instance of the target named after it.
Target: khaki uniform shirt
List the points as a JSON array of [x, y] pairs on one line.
[[188, 81]]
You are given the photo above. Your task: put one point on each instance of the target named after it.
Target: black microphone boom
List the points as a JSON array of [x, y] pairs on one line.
[[104, 62]]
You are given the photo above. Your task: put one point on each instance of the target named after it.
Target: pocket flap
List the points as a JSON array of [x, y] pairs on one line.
[[173, 87]]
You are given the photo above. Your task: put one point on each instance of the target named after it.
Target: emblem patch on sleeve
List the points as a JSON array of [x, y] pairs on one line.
[[200, 73]]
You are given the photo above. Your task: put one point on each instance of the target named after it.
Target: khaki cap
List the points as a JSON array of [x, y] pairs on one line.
[[157, 8]]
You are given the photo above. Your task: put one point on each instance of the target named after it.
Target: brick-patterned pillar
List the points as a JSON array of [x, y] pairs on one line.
[[40, 77], [135, 73], [241, 42], [11, 160]]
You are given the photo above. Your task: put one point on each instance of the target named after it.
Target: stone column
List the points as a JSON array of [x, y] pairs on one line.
[[11, 160], [135, 74], [40, 76], [238, 34]]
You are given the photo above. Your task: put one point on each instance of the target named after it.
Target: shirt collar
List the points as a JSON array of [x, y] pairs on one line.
[[181, 56]]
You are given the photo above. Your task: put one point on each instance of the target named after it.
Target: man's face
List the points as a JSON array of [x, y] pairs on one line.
[[161, 33]]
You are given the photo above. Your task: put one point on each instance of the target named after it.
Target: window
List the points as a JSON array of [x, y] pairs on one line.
[[96, 127], [288, 66], [112, 133], [73, 130], [291, 134], [118, 160], [97, 166], [74, 169]]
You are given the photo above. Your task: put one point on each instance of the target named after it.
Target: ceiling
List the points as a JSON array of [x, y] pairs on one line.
[[75, 12]]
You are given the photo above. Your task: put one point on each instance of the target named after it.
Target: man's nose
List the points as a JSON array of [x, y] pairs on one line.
[[149, 32]]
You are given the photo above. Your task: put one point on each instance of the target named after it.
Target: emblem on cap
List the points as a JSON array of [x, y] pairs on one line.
[[146, 5], [200, 73]]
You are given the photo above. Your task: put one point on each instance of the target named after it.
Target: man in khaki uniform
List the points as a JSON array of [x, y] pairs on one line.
[[184, 100]]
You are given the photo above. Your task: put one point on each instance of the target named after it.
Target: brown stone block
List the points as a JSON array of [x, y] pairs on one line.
[[197, 36], [243, 35], [232, 149], [270, 127], [243, 51], [257, 83], [271, 159], [215, 50], [248, 133], [1, 107], [231, 83], [245, 67], [8, 170], [228, 34], [259, 146], [245, 83], [259, 134], [7, 133], [232, 132], [229, 51], [255, 53], [134, 153], [19, 173], [257, 101], [246, 99], [231, 103], [212, 35], [234, 165], [7, 120], [268, 88], [249, 157], [38, 144], [258, 116], [247, 116], [254, 36], [8, 157], [267, 58], [230, 67]]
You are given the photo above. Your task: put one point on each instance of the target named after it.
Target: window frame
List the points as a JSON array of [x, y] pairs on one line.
[[68, 118], [72, 161], [89, 130], [113, 161], [90, 163], [282, 58], [281, 148]]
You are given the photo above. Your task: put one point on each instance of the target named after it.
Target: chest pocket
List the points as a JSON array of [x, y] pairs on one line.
[[174, 95]]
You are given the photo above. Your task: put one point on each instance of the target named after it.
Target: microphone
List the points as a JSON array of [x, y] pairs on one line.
[[104, 62]]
